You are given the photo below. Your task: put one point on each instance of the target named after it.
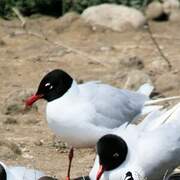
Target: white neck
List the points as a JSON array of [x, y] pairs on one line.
[[72, 92], [70, 95], [59, 108]]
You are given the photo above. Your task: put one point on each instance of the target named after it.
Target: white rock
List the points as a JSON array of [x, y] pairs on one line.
[[154, 10], [66, 21], [116, 17], [170, 5], [175, 16]]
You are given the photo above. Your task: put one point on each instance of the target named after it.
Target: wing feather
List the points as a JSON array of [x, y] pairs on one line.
[[113, 104]]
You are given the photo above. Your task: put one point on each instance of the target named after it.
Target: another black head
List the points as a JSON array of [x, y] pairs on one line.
[[3, 175], [47, 178], [112, 151], [129, 176], [54, 84]]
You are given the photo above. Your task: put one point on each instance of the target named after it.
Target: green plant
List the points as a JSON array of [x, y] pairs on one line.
[[5, 6], [80, 5], [28, 7], [59, 7]]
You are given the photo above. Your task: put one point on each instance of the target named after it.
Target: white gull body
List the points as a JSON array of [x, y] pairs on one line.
[[88, 111], [153, 147], [21, 173]]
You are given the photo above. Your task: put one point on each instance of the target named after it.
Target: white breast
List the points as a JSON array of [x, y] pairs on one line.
[[74, 127], [70, 117]]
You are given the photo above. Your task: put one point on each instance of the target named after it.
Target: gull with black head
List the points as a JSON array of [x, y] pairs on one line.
[[82, 113], [148, 150]]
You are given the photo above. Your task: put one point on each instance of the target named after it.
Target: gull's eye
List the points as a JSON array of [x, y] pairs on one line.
[[49, 85], [115, 155]]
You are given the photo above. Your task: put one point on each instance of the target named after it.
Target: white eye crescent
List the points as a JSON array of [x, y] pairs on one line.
[[115, 155], [47, 84]]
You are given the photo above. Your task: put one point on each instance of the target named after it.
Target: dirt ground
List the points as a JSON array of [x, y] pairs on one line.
[[124, 59]]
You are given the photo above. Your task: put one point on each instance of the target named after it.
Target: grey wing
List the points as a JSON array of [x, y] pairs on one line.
[[113, 103]]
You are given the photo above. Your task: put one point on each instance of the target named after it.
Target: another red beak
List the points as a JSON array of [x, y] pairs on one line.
[[100, 172], [32, 99]]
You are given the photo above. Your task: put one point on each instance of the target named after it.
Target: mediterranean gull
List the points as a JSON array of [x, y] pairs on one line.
[[148, 150], [82, 113]]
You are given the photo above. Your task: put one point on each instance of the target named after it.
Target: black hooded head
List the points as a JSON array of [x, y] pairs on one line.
[[3, 175], [54, 85], [112, 151]]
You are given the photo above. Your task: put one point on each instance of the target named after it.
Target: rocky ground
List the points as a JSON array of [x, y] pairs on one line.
[[124, 59]]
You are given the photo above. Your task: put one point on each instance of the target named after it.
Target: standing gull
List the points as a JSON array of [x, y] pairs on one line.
[[81, 114]]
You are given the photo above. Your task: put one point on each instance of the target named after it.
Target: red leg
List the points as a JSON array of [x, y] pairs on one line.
[[71, 154]]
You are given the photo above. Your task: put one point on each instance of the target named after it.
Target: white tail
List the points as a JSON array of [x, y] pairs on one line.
[[145, 89]]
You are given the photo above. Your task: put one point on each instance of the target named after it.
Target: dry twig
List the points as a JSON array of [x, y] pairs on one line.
[[19, 15], [158, 47]]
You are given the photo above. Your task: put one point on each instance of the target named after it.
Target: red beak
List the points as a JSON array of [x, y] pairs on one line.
[[100, 172], [32, 99]]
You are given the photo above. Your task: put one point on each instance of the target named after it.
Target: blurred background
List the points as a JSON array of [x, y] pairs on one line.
[[121, 42], [59, 7]]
